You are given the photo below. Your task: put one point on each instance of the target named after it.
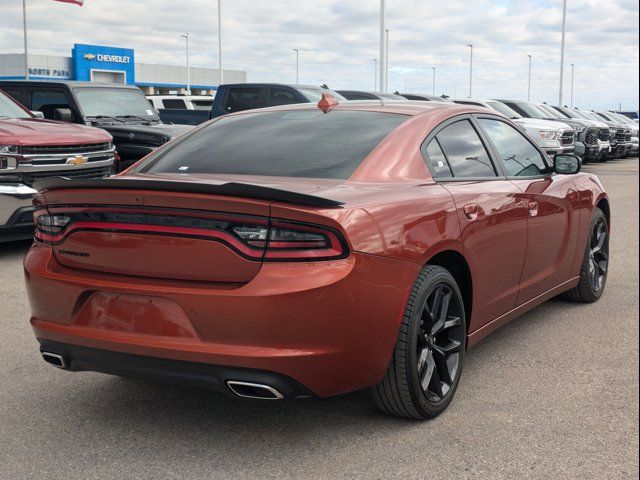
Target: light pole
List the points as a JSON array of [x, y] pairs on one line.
[[386, 62], [220, 41], [26, 49], [470, 71], [433, 83], [564, 31], [187, 37], [529, 84], [297, 65], [382, 45], [572, 71], [375, 74]]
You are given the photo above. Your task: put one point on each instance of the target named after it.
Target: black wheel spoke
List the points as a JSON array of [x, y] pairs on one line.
[[598, 256], [426, 375]]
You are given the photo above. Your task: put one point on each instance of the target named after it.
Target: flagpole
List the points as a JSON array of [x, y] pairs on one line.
[[26, 49]]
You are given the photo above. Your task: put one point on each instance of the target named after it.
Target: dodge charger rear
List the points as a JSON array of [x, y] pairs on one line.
[[311, 251]]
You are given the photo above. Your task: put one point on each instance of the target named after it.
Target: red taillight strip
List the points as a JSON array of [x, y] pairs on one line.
[[151, 229]]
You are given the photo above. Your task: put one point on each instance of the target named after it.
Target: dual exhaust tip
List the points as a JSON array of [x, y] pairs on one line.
[[255, 391]]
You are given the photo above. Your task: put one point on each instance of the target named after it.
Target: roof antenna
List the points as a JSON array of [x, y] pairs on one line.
[[327, 102]]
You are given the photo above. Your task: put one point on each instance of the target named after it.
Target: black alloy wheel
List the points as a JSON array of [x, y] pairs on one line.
[[427, 361], [595, 264]]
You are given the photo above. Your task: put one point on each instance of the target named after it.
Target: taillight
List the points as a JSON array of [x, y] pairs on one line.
[[255, 238], [294, 241]]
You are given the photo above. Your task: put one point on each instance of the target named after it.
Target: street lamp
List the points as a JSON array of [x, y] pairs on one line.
[[187, 37], [375, 74], [297, 65], [434, 80], [382, 46], [564, 31], [529, 84], [386, 62], [572, 71], [221, 75], [470, 71]]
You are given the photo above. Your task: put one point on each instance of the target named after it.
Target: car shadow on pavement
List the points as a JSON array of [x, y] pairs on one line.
[[13, 248]]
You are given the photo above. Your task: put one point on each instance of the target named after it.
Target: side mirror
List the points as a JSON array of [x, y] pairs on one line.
[[567, 164], [37, 113], [63, 114]]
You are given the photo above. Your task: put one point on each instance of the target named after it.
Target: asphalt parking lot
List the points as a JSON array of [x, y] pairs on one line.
[[554, 394]]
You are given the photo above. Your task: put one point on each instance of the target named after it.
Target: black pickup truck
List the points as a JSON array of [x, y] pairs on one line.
[[121, 110], [245, 96]]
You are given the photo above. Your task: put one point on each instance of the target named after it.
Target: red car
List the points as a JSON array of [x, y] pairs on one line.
[[314, 250]]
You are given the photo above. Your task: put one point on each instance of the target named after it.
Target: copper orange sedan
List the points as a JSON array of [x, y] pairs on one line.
[[313, 250]]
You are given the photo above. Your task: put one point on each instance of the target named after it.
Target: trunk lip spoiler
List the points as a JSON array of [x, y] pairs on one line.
[[229, 189]]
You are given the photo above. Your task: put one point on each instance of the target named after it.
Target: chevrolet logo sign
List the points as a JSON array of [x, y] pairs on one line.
[[77, 160], [89, 56]]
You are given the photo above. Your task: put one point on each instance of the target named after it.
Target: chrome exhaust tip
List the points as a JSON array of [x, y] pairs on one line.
[[54, 359], [254, 391]]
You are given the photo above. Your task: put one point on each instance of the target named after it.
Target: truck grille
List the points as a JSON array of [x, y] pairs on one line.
[[620, 135], [603, 134], [64, 149], [592, 135], [30, 178], [567, 137]]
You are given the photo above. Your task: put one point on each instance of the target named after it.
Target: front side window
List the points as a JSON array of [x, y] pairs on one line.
[[46, 101], [281, 96], [520, 157], [298, 143], [465, 152]]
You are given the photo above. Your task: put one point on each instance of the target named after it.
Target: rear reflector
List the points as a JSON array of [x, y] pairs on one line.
[[255, 238]]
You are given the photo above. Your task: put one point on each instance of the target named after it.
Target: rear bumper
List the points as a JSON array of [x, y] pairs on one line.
[[16, 219], [192, 374], [330, 326]]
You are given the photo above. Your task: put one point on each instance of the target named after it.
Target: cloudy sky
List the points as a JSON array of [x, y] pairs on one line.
[[339, 39]]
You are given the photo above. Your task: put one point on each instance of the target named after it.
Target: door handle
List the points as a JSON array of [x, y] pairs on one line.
[[471, 211], [533, 209]]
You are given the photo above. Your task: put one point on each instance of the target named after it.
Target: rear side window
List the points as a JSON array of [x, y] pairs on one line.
[[239, 99], [303, 143], [439, 163], [465, 152], [177, 103]]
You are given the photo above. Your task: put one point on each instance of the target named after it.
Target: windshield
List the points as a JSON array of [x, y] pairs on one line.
[[592, 116], [552, 112], [315, 94], [504, 109], [581, 114], [9, 108], [114, 102], [302, 143], [621, 118], [532, 111]]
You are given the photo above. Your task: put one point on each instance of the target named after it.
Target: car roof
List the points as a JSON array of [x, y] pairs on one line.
[[403, 107]]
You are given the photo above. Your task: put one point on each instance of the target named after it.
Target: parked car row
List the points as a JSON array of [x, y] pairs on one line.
[[130, 126]]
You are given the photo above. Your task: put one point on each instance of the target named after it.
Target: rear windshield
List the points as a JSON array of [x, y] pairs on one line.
[[302, 143]]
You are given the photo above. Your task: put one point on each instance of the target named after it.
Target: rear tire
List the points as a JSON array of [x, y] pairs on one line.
[[595, 264], [427, 361]]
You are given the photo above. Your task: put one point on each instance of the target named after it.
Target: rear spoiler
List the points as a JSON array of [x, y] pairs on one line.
[[231, 189]]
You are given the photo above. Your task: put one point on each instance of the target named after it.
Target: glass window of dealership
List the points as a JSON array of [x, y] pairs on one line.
[[95, 63]]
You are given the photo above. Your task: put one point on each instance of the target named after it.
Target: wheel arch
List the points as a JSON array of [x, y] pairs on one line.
[[603, 204], [455, 262]]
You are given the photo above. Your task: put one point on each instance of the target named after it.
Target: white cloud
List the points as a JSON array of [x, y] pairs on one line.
[[339, 38]]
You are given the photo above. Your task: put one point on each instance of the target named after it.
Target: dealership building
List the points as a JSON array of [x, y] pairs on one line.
[[95, 63]]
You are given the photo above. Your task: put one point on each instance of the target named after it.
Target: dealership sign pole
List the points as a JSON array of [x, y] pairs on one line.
[[26, 49], [220, 41]]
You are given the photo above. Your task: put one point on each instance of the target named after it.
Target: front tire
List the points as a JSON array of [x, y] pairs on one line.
[[427, 361], [595, 263]]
